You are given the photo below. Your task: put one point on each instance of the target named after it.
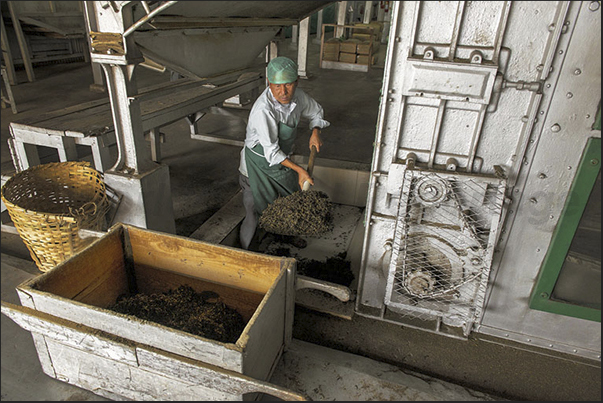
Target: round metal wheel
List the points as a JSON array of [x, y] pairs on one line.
[[419, 283], [430, 191]]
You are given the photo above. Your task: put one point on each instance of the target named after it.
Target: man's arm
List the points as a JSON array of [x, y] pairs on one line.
[[315, 139], [302, 174]]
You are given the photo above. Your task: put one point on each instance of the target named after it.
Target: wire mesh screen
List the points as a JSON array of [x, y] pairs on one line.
[[446, 229]]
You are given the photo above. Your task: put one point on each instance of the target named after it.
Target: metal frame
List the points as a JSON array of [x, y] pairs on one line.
[[541, 297], [528, 122]]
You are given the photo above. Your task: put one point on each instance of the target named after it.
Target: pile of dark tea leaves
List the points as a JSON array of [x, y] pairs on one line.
[[199, 313], [335, 269], [305, 213]]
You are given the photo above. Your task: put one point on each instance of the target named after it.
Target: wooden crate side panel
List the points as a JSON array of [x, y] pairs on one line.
[[152, 280], [117, 380], [70, 334], [217, 379], [43, 354], [266, 337], [103, 362], [290, 268], [219, 264], [213, 352], [96, 275]]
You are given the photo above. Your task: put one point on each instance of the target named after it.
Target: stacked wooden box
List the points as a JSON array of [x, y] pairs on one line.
[[352, 51], [347, 51], [331, 50], [369, 32]]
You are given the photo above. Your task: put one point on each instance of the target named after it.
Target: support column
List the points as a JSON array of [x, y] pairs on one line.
[[271, 53], [143, 184], [341, 17], [368, 12], [380, 14], [125, 106], [294, 35], [302, 49], [98, 84], [318, 28], [387, 16]]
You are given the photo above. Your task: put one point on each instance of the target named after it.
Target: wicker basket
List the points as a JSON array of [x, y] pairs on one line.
[[49, 203]]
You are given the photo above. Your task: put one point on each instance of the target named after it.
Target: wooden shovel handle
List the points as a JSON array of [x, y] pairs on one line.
[[313, 153]]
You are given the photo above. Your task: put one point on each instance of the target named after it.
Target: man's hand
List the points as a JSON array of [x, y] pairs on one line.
[[315, 139], [302, 174], [303, 177]]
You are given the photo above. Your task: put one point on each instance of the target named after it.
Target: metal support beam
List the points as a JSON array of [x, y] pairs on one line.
[[143, 184], [7, 56], [9, 92], [132, 155], [97, 72]]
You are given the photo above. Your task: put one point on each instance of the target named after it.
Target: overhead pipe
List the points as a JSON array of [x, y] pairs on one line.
[[147, 17]]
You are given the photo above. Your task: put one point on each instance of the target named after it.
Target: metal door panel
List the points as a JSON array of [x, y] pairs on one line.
[[504, 58], [541, 191]]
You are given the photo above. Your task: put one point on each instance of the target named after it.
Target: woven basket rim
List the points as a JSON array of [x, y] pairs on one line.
[[80, 164]]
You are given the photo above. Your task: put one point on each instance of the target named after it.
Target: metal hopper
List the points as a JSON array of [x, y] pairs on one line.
[[201, 39]]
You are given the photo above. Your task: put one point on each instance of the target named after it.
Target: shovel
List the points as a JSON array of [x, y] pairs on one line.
[[306, 213], [313, 152]]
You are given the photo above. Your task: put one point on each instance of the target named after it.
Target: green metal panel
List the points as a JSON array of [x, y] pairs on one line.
[[589, 169]]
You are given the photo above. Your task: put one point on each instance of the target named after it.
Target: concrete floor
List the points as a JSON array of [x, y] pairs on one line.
[[203, 178]]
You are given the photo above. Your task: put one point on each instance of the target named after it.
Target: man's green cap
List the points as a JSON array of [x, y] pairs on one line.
[[281, 70]]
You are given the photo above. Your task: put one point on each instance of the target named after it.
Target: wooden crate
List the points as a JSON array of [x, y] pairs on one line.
[[349, 46], [347, 57], [330, 56], [362, 59], [332, 45], [119, 356], [364, 48]]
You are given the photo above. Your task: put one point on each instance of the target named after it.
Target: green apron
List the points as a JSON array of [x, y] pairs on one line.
[[269, 182]]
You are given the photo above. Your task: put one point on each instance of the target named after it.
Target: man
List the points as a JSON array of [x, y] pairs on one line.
[[266, 172]]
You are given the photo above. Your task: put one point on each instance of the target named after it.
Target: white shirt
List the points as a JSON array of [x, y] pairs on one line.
[[264, 118]]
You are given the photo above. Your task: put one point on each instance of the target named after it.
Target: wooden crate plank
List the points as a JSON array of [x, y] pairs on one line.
[[230, 266], [266, 336], [210, 376], [95, 360], [71, 334], [118, 380], [129, 327], [97, 277]]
